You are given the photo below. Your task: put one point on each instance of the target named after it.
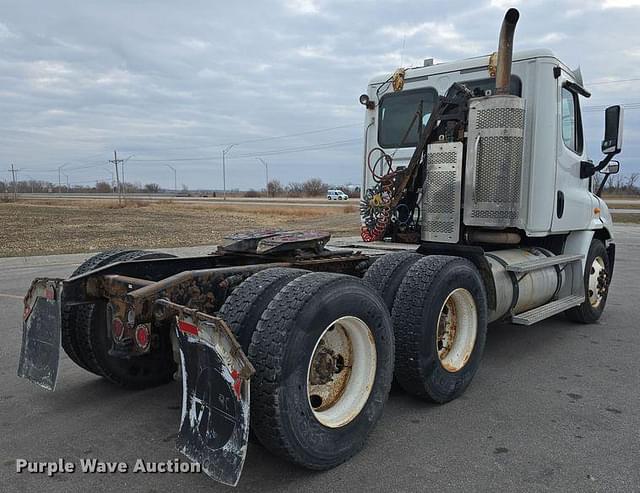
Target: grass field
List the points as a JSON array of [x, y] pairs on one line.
[[43, 227], [631, 218], [50, 227]]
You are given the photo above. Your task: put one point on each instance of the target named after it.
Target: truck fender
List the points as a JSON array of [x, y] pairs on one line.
[[577, 242]]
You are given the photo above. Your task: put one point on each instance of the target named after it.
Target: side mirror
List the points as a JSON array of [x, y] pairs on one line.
[[612, 143], [365, 101], [611, 169]]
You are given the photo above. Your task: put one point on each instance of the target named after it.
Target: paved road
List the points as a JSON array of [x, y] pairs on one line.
[[250, 201], [263, 201], [553, 407]]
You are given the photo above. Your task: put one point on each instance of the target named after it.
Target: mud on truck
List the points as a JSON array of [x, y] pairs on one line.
[[478, 205]]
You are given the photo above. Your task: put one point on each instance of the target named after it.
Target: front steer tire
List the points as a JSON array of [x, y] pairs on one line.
[[282, 347], [418, 310], [594, 303]]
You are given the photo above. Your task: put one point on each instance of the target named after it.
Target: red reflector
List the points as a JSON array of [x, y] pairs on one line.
[[118, 329], [187, 327], [49, 294], [237, 383], [142, 336]]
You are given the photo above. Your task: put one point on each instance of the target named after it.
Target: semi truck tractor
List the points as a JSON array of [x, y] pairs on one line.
[[478, 204]]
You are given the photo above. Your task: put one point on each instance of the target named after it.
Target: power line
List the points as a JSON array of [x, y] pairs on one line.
[[263, 139], [272, 152], [612, 81]]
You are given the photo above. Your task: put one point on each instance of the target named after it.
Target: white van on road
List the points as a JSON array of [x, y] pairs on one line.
[[336, 195]]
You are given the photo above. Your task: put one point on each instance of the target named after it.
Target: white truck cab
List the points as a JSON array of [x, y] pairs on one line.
[[485, 159], [554, 197]]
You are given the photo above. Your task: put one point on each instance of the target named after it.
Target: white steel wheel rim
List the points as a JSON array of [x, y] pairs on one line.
[[341, 372], [457, 330], [597, 282]]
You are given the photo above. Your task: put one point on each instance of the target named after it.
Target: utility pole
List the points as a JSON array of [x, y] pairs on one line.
[[266, 170], [175, 178], [59, 180], [225, 151], [116, 161], [13, 175]]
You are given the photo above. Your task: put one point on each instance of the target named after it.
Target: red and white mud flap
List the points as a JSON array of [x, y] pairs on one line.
[[40, 353], [215, 399]]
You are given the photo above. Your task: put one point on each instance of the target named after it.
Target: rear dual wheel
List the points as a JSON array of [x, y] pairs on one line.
[[87, 340], [439, 313], [323, 354], [440, 322]]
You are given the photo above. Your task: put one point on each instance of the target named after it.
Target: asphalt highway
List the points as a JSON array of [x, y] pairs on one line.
[[554, 407]]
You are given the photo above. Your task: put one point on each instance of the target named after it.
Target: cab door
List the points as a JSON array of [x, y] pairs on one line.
[[572, 209]]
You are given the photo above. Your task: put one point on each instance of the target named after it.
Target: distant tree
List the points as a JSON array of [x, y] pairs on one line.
[[274, 188], [314, 187], [152, 188], [295, 189], [103, 187]]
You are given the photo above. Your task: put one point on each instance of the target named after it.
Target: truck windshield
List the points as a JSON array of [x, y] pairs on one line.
[[397, 111]]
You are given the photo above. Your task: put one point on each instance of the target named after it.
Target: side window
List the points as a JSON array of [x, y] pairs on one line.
[[571, 121]]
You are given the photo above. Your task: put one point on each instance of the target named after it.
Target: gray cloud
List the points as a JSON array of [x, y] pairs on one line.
[[170, 80]]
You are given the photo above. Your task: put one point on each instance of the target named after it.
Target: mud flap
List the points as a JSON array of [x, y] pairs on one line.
[[40, 353], [214, 430]]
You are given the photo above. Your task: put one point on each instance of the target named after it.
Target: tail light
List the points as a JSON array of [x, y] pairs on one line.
[[142, 336], [118, 329]]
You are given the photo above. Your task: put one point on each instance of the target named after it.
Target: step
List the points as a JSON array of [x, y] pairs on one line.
[[545, 311], [542, 262]]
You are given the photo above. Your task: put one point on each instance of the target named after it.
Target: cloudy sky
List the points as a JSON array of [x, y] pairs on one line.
[[177, 81]]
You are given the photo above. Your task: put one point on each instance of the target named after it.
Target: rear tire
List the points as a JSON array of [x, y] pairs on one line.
[[138, 372], [387, 272], [597, 276], [440, 324], [244, 306], [73, 324], [298, 355]]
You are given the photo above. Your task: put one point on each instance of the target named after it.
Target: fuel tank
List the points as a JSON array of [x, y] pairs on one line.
[[519, 292]]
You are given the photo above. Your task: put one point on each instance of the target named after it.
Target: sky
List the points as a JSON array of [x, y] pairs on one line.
[[171, 84]]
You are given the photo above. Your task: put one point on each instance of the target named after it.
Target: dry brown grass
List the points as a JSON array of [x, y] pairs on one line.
[[624, 206], [54, 226], [631, 218]]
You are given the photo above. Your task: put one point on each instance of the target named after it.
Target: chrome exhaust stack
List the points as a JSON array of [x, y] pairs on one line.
[[505, 51]]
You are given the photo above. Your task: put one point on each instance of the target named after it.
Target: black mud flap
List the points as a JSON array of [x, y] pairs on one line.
[[40, 353], [215, 401]]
